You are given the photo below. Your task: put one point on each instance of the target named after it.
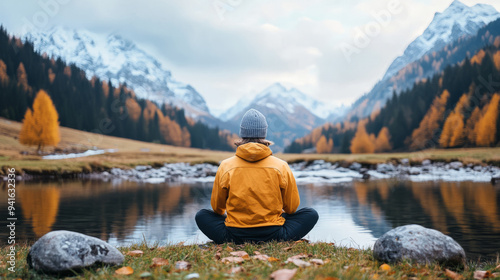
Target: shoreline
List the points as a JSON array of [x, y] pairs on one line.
[[305, 171]]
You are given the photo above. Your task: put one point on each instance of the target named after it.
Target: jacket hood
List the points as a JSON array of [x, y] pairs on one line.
[[253, 152]]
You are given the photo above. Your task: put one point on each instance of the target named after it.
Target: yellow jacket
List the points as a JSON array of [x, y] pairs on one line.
[[254, 188]]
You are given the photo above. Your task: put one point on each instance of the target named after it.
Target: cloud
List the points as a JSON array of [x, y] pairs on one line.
[[254, 43]]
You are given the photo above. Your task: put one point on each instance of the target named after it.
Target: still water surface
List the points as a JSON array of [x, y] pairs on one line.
[[351, 214]]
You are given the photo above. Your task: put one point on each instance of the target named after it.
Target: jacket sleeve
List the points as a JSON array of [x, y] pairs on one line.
[[290, 192], [219, 193]]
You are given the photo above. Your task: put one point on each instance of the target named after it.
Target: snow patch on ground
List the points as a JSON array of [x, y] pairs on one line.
[[77, 155]]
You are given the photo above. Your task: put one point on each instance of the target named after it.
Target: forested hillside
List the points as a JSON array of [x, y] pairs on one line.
[[93, 105], [455, 108]]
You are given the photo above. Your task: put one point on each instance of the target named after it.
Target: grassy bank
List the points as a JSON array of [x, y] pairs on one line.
[[206, 260], [130, 153]]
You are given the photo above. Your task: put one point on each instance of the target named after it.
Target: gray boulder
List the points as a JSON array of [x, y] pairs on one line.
[[61, 251], [418, 244]]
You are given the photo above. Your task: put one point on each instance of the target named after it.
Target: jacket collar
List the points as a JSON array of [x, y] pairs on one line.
[[253, 152]]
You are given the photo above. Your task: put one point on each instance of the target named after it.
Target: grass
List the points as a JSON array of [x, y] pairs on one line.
[[132, 153], [340, 263]]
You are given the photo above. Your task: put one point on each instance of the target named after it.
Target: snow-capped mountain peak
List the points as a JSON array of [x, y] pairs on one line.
[[277, 96], [112, 57], [454, 22]]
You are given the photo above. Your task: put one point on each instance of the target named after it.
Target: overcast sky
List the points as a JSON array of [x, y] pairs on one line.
[[230, 48]]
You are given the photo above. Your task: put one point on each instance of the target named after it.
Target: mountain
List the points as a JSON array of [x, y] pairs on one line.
[[112, 57], [289, 113], [92, 104], [458, 21], [277, 93]]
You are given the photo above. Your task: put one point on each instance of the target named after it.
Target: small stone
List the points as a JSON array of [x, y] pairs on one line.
[[419, 244], [355, 166], [426, 162], [456, 165], [404, 161], [60, 251]]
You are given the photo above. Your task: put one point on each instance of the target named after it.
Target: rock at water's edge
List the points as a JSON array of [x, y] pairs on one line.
[[60, 251], [418, 244]]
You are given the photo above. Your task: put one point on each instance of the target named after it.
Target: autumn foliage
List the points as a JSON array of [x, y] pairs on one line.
[[453, 128], [382, 143], [487, 125], [430, 123], [41, 126], [362, 143], [324, 146]]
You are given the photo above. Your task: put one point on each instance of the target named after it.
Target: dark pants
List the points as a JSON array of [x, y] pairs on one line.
[[296, 226]]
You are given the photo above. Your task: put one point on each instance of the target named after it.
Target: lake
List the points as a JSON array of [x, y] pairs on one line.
[[351, 214]]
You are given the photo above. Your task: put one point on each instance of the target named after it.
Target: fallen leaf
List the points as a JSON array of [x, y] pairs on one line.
[[385, 267], [159, 262], [300, 263], [236, 269], [161, 249], [299, 256], [283, 274], [287, 248], [302, 240], [479, 274], [180, 243], [261, 257], [229, 249], [497, 268], [182, 265], [272, 259], [217, 256], [451, 274], [237, 260], [256, 253], [135, 253], [375, 276], [317, 261], [126, 270], [242, 254]]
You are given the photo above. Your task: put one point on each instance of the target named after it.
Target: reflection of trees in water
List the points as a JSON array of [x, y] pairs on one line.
[[40, 207], [467, 211], [97, 208]]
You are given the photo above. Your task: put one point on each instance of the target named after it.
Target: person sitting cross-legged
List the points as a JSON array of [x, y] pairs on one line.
[[255, 196]]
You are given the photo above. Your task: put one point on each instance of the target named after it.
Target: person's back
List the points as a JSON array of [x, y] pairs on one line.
[[257, 191]]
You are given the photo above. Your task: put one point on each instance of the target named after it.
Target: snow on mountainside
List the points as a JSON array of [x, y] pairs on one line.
[[111, 57], [454, 22], [277, 94]]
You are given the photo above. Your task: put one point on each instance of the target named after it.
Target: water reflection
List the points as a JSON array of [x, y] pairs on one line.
[[352, 214]]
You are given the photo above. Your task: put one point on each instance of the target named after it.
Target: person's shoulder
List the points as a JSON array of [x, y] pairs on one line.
[[278, 161]]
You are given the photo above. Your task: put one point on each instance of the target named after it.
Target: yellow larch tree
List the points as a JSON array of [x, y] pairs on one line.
[[453, 128], [496, 60], [383, 141], [478, 57], [362, 143], [324, 146], [486, 127], [22, 78], [470, 125], [41, 126], [4, 78], [430, 123]]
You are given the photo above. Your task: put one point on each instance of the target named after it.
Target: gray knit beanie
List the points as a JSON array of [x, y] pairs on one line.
[[253, 125]]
